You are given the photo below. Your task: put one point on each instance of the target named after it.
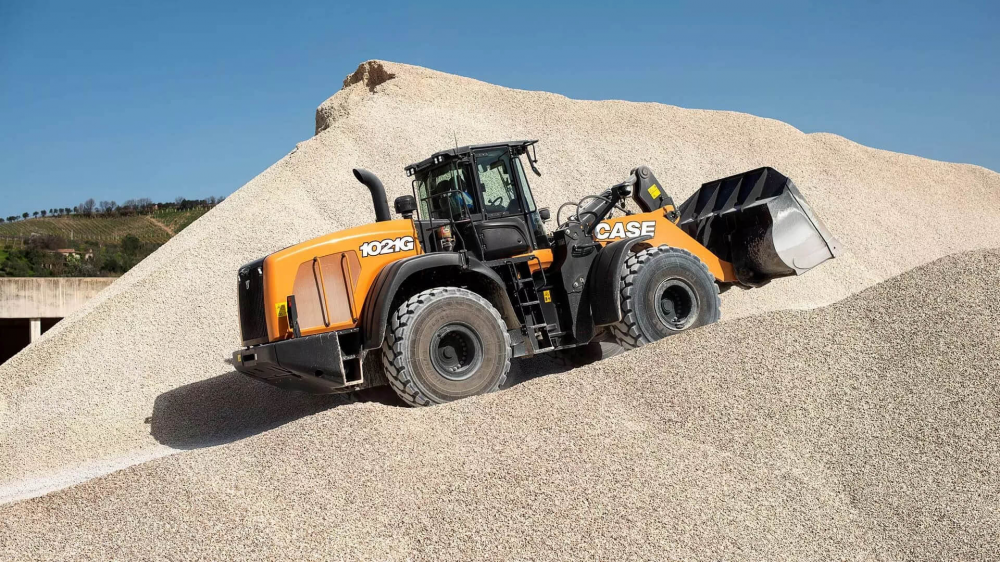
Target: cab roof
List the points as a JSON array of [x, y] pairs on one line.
[[517, 147]]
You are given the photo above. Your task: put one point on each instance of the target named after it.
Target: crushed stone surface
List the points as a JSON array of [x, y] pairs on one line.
[[863, 430], [145, 364]]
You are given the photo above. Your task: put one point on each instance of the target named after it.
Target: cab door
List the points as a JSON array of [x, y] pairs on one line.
[[504, 230]]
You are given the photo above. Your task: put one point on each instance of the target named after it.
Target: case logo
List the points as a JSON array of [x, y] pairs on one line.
[[387, 246], [631, 229]]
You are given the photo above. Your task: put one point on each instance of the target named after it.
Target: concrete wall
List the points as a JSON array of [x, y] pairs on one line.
[[16, 334], [47, 297], [29, 306]]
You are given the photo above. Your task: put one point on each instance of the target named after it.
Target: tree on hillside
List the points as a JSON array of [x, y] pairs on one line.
[[46, 242], [131, 245], [105, 207], [44, 212], [25, 215], [1, 220], [87, 207], [35, 214]]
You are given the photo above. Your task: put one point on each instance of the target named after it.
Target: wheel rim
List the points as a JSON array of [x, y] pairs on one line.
[[676, 304], [456, 351]]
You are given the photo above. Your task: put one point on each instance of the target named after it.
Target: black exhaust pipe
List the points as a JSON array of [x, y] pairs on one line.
[[378, 193]]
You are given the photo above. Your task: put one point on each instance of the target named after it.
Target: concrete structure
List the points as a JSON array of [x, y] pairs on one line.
[[29, 306]]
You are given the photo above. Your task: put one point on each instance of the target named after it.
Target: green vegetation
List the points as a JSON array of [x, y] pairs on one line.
[[41, 257], [92, 240], [155, 227]]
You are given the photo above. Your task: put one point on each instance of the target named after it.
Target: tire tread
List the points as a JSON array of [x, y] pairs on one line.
[[627, 331], [396, 333]]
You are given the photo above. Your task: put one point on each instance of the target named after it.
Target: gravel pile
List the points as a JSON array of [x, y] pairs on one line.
[[142, 370], [864, 430]]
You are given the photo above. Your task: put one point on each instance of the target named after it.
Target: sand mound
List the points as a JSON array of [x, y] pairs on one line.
[[867, 429], [143, 368]]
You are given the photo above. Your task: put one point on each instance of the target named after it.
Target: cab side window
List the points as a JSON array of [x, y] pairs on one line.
[[529, 200], [445, 193], [535, 220]]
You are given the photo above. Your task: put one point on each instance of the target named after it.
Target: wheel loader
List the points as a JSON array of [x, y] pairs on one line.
[[441, 299]]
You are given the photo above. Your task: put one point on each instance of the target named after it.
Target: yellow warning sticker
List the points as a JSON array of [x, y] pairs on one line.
[[654, 191], [282, 309], [546, 296]]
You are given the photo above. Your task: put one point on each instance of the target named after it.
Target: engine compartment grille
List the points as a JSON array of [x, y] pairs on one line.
[[253, 323]]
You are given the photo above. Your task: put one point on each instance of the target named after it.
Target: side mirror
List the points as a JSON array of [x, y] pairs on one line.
[[405, 205], [545, 214], [532, 153]]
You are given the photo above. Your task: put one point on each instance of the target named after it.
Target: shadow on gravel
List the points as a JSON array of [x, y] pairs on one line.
[[232, 406], [526, 369]]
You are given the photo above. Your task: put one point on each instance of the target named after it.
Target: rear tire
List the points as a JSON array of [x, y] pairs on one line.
[[444, 344], [664, 291]]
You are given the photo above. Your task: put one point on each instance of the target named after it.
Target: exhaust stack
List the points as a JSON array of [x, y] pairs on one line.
[[374, 185]]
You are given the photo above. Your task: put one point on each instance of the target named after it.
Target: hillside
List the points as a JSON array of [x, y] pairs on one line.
[[155, 228], [159, 338], [854, 432]]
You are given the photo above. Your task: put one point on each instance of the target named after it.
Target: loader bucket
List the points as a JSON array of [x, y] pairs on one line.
[[760, 223]]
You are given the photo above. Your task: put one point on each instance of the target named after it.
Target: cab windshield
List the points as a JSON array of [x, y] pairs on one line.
[[498, 190], [445, 193]]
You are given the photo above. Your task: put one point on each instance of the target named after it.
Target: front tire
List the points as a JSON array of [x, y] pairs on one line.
[[444, 344], [664, 291]]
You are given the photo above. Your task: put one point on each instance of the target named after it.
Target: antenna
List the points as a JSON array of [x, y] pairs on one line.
[[456, 138]]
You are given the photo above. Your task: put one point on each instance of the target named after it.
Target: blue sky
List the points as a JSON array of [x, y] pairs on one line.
[[165, 99]]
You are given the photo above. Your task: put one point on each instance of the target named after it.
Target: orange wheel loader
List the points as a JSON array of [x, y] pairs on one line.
[[442, 298]]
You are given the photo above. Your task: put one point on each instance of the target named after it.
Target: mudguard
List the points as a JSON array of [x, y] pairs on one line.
[[380, 299], [604, 280]]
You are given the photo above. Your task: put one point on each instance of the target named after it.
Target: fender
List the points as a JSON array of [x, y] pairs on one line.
[[381, 296], [605, 280]]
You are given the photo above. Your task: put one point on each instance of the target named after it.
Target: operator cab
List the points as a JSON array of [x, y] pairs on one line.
[[477, 198]]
